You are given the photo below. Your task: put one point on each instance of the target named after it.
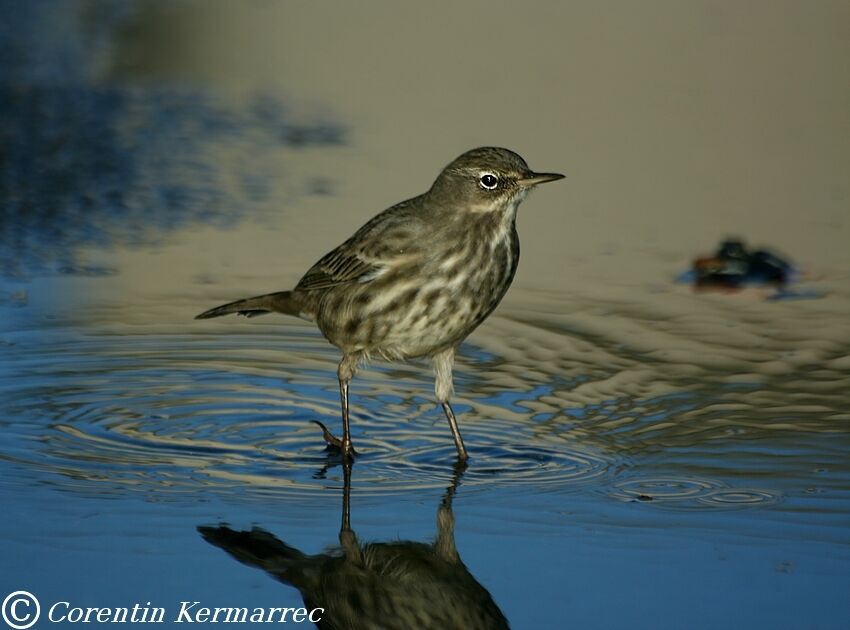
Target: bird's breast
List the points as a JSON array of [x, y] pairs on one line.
[[419, 307]]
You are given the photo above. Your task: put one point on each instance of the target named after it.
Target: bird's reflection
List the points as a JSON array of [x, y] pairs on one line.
[[398, 584]]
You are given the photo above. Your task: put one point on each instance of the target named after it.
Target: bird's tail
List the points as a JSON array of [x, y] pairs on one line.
[[258, 548], [280, 302]]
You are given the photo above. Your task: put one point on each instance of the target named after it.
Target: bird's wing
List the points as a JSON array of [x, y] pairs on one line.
[[341, 266], [382, 242]]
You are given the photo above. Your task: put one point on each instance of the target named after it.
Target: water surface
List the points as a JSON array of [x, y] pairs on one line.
[[641, 454]]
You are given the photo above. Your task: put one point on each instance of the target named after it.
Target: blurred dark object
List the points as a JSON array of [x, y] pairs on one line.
[[401, 584], [733, 267], [89, 164]]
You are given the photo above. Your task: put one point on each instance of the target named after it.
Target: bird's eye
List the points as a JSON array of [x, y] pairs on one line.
[[488, 181]]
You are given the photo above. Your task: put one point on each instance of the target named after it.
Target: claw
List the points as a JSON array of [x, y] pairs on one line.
[[331, 440], [329, 437]]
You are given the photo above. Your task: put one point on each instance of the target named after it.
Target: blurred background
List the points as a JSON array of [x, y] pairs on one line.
[[642, 452]]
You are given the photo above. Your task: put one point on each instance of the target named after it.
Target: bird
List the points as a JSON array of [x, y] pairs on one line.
[[362, 586], [416, 279]]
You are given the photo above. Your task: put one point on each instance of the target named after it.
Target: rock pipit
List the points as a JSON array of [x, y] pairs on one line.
[[417, 278]]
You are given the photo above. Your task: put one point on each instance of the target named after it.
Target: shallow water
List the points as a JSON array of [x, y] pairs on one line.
[[641, 454]]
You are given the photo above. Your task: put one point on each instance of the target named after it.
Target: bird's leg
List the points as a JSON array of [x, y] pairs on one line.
[[329, 437], [444, 388], [345, 526], [347, 537], [450, 415], [346, 425], [345, 372], [444, 545]]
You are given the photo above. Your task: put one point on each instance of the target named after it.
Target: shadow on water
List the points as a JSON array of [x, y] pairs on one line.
[[87, 163], [399, 584]]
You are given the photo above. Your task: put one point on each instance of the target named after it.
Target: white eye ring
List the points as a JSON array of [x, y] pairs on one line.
[[488, 181]]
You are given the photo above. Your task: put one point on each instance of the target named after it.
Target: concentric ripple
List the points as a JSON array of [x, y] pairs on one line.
[[187, 414], [688, 493]]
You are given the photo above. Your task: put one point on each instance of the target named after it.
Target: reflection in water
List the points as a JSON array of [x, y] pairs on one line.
[[179, 415], [90, 164], [99, 167], [626, 431], [176, 415], [400, 584]]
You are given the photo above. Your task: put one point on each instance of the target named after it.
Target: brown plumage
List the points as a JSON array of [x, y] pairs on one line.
[[419, 277]]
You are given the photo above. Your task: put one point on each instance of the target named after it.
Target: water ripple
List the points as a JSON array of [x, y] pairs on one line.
[[178, 414], [690, 494]]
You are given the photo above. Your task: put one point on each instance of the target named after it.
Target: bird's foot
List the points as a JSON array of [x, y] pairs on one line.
[[329, 437], [334, 442]]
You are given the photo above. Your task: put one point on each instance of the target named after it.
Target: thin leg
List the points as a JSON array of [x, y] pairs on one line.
[[444, 387], [346, 497], [444, 545], [461, 449], [347, 537], [347, 449], [345, 372]]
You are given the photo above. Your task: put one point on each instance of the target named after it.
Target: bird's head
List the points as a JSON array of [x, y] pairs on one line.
[[487, 179]]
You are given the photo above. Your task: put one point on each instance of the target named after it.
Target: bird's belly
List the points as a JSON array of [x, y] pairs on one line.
[[408, 315], [422, 332]]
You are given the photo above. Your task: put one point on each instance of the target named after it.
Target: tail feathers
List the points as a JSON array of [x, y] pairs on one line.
[[280, 302], [258, 548]]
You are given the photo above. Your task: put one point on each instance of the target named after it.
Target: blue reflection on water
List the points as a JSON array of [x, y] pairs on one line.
[[88, 163], [110, 459]]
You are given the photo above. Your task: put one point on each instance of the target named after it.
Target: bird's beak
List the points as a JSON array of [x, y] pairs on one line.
[[532, 179]]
